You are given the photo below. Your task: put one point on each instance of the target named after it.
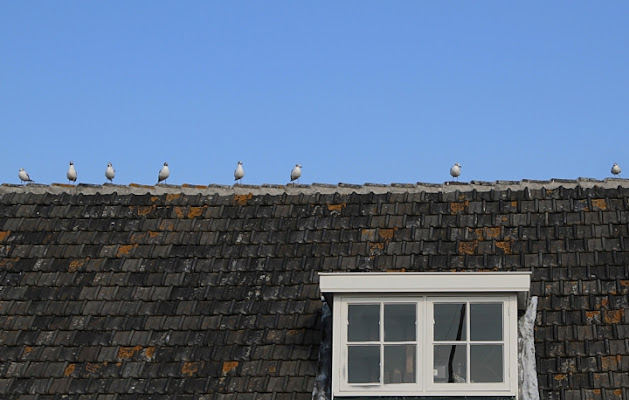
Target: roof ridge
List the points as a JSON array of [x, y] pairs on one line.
[[292, 188]]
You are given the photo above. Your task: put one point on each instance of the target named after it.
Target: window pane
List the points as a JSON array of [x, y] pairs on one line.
[[450, 364], [364, 322], [363, 364], [399, 364], [486, 363], [486, 321], [399, 322], [450, 321]]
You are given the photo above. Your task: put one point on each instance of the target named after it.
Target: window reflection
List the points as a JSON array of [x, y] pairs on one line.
[[363, 322], [450, 364], [450, 321]]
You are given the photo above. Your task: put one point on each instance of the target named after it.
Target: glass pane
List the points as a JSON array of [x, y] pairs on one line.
[[399, 364], [363, 322], [399, 322], [450, 364], [486, 321], [363, 364], [450, 321], [486, 363]]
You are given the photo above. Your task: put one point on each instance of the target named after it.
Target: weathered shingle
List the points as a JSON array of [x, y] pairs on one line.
[[182, 292]]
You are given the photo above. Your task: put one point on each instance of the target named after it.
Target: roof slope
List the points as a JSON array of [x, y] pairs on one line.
[[187, 293]]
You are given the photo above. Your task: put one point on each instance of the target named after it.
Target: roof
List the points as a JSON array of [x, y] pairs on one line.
[[182, 292]]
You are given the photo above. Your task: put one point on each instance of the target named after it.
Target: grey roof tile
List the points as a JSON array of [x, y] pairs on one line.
[[218, 258]]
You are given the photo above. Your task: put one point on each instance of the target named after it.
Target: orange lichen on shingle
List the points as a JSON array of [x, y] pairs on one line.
[[611, 362], [128, 352], [599, 204], [126, 249], [229, 366], [505, 246], [336, 207], [188, 185], [194, 212], [137, 237], [69, 369], [76, 264], [190, 367], [386, 234], [593, 316], [149, 352], [8, 263], [3, 235], [377, 245], [492, 232], [514, 203], [27, 349], [560, 377], [179, 212], [604, 303], [142, 210], [468, 247], [93, 367], [489, 232], [166, 225], [171, 197], [241, 199], [613, 316], [457, 207], [368, 234]]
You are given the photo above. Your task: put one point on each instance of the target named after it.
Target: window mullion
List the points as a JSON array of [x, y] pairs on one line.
[[381, 343], [468, 341]]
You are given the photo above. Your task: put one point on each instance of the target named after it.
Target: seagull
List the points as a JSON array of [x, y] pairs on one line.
[[455, 171], [24, 176], [164, 173], [295, 173], [239, 173], [110, 173], [71, 173], [615, 169]]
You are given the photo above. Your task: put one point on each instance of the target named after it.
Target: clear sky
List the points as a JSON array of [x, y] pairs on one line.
[[355, 91]]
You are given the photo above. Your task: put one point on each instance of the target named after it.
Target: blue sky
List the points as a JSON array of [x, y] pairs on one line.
[[355, 91]]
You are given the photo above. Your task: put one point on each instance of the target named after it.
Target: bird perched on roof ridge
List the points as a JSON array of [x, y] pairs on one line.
[[239, 173], [164, 173], [455, 171], [71, 174], [110, 173], [616, 169], [295, 174], [24, 176]]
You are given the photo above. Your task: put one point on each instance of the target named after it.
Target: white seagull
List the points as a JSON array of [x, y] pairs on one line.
[[615, 169], [24, 176], [455, 171], [239, 173], [295, 173], [71, 175], [164, 173], [110, 173]]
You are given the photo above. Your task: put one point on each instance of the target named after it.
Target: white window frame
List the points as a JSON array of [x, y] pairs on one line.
[[425, 289]]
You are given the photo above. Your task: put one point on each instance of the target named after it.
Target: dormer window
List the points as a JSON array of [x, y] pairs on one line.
[[424, 333]]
